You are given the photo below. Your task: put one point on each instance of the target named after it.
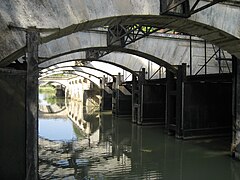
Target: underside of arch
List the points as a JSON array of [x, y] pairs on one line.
[[74, 72], [52, 62], [76, 68], [152, 58], [213, 35]]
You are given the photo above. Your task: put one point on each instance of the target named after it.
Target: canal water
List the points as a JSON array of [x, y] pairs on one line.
[[77, 142]]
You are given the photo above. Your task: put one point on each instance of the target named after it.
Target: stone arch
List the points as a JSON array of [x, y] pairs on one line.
[[52, 81], [97, 60], [80, 66], [131, 52], [90, 79], [203, 24]]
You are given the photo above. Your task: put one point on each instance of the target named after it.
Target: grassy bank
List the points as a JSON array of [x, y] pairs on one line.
[[47, 89]]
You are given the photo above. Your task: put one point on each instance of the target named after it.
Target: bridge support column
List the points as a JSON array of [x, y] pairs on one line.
[[235, 149], [32, 104]]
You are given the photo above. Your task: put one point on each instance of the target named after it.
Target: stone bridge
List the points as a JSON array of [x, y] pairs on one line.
[[54, 80], [184, 53], [74, 87]]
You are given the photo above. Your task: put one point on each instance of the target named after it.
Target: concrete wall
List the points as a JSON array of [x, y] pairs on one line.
[[12, 131]]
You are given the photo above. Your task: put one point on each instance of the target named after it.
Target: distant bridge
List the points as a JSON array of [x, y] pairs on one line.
[[54, 80]]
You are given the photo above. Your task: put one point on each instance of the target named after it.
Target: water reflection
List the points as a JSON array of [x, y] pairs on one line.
[[85, 118], [111, 148]]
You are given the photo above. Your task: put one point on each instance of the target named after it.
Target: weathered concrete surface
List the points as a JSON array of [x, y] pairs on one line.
[[175, 49], [72, 43], [75, 15], [162, 49], [13, 124]]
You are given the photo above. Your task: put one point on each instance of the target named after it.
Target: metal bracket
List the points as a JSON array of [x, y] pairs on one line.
[[181, 8], [193, 9], [94, 54], [122, 35], [174, 8]]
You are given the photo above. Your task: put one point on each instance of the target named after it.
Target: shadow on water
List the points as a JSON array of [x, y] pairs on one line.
[[113, 148]]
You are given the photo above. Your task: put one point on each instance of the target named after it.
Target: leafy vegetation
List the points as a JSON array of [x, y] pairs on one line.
[[47, 89]]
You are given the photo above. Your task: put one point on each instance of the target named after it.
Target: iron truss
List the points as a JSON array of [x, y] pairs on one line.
[[182, 8], [119, 36], [92, 54], [122, 35]]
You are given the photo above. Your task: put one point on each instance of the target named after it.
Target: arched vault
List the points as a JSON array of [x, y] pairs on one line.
[[92, 78], [218, 24], [129, 58], [109, 69], [87, 69], [108, 66]]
